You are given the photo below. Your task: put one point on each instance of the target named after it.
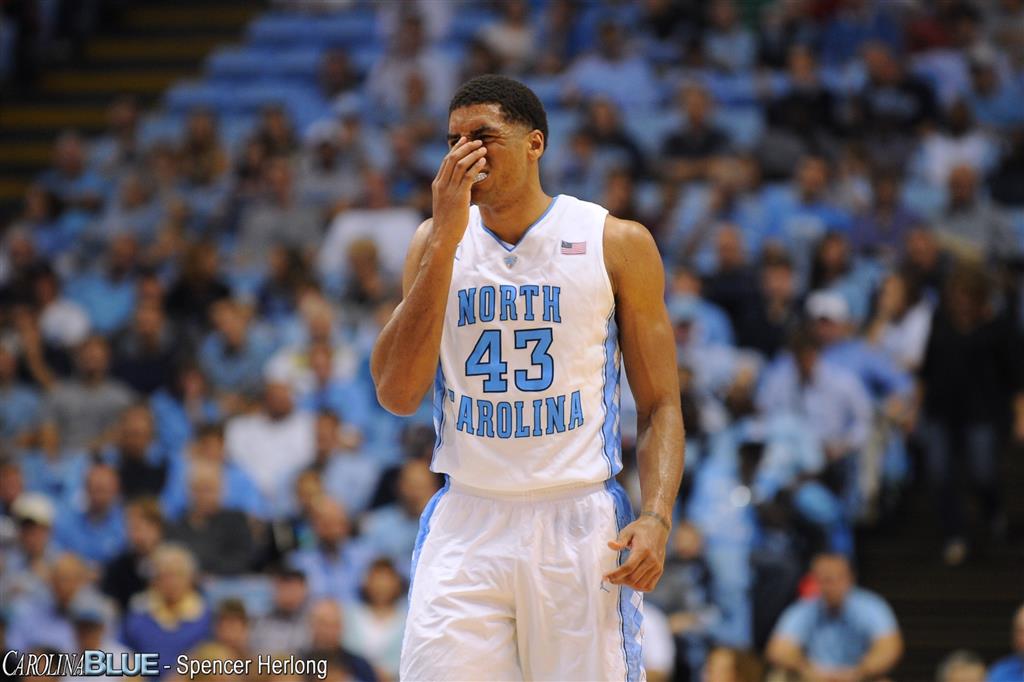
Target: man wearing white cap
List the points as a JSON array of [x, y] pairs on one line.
[[889, 386], [24, 566], [830, 399]]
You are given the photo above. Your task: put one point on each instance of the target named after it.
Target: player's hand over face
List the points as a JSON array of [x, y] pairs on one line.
[[452, 185], [645, 539]]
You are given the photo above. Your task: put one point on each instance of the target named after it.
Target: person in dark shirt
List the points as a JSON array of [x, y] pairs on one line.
[[138, 458], [144, 355], [690, 150], [684, 594], [125, 575], [800, 121], [198, 287], [1007, 181], [971, 369], [604, 125], [890, 108], [733, 285], [767, 321], [219, 538], [925, 262]]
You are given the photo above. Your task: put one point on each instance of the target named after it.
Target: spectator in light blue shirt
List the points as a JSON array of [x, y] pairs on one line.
[[846, 632], [835, 406], [238, 491], [728, 44], [831, 398], [711, 324], [42, 618], [108, 295], [334, 567], [95, 531], [178, 411], [391, 530], [610, 72], [800, 215], [20, 405], [994, 99], [349, 475], [832, 324], [233, 356], [1011, 668], [70, 179], [27, 561]]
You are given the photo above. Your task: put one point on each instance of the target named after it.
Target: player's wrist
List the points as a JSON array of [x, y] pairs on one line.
[[660, 518]]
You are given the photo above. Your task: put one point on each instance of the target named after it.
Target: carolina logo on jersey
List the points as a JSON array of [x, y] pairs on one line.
[[544, 415], [511, 260]]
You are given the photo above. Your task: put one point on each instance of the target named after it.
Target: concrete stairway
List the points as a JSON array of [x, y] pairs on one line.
[[939, 608], [149, 46]]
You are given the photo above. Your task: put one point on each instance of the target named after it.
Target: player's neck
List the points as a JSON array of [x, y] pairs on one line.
[[511, 221]]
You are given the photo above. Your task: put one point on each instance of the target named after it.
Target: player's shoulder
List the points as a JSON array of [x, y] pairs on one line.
[[627, 234], [628, 243]]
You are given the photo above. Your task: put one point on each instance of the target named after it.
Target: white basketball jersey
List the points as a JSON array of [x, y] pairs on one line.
[[527, 391]]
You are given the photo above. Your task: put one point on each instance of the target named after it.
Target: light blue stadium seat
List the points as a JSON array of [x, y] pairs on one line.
[[348, 29], [302, 64], [189, 95], [279, 29], [240, 63], [253, 97], [282, 29]]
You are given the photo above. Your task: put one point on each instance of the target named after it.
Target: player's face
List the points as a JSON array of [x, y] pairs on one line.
[[509, 150]]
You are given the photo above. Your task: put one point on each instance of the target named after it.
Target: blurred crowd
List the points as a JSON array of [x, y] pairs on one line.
[[192, 457]]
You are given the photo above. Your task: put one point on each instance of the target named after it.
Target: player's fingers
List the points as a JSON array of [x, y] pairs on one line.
[[457, 156], [466, 163], [646, 581], [444, 171], [469, 178], [627, 570], [622, 572]]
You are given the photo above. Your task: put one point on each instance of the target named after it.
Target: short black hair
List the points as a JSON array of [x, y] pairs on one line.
[[518, 103]]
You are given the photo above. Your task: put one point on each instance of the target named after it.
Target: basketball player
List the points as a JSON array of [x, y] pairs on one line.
[[529, 562]]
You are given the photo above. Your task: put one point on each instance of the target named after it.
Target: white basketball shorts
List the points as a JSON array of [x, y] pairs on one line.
[[509, 587]]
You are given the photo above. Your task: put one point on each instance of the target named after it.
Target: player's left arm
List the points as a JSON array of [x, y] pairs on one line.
[[649, 354]]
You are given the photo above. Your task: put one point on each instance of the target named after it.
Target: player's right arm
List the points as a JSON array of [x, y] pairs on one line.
[[405, 355]]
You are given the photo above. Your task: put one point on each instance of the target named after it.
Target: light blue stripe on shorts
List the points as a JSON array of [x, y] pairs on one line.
[[630, 601]]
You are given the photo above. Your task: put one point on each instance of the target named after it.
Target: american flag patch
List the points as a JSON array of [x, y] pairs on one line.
[[573, 248]]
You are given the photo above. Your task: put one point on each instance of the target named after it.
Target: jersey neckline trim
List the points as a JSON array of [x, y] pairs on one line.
[[505, 245]]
